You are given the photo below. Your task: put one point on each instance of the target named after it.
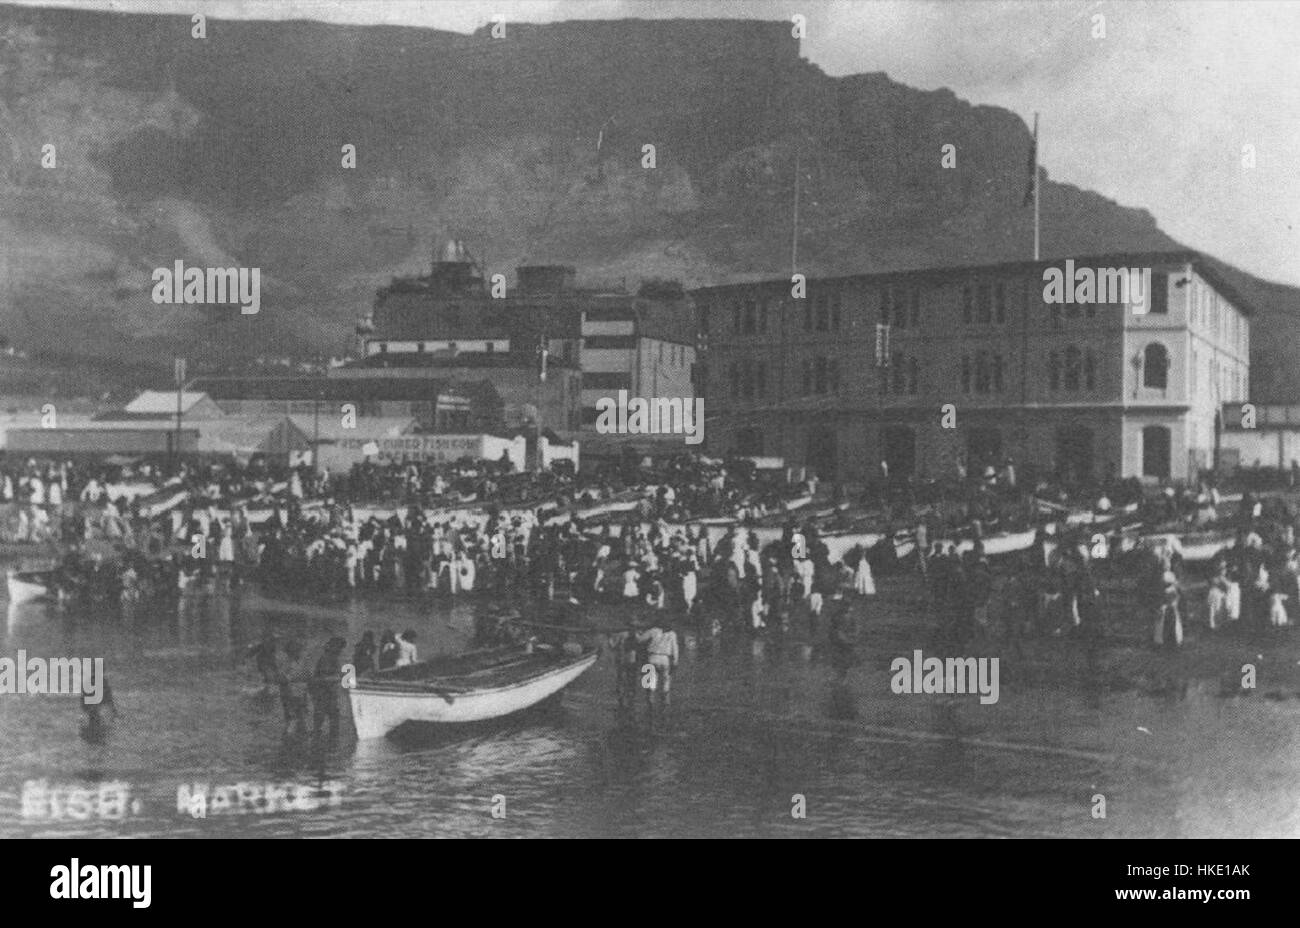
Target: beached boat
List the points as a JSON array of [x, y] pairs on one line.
[[1192, 546], [465, 688], [27, 586], [1002, 543]]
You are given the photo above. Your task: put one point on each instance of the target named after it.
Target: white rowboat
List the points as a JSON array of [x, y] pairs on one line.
[[467, 688]]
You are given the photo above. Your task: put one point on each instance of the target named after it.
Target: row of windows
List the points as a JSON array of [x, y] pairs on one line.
[[748, 379], [982, 373], [820, 376], [1071, 370], [820, 314], [900, 307], [984, 303], [676, 355], [1226, 380], [903, 375], [1210, 311], [1157, 303]]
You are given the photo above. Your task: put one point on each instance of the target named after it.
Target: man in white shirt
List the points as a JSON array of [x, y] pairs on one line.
[[406, 653], [663, 654]]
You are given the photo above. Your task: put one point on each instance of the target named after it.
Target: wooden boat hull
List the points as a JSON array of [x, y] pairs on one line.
[[381, 703]]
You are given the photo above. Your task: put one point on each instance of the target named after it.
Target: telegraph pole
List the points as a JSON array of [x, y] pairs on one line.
[[542, 352]]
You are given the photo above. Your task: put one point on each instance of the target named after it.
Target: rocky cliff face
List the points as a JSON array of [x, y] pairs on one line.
[[227, 150]]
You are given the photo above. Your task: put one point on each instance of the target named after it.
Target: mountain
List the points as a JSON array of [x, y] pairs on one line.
[[227, 150]]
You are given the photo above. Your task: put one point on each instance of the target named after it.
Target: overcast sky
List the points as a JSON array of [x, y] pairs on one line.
[[1153, 115]]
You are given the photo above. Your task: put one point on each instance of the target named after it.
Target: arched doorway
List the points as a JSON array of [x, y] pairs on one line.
[[898, 448], [1155, 451], [1074, 453]]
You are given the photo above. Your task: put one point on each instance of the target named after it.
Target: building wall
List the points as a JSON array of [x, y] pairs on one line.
[[1262, 447], [560, 395], [647, 367], [985, 341], [89, 440]]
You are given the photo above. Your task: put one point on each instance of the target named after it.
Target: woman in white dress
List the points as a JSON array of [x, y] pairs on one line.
[[863, 582], [466, 572], [689, 587]]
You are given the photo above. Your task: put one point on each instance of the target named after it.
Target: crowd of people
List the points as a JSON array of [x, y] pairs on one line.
[[133, 532]]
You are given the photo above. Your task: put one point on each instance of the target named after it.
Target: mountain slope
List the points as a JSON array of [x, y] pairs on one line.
[[227, 149]]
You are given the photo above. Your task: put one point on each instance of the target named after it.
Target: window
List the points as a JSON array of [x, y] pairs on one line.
[[916, 306], [898, 302], [1089, 370], [965, 373], [983, 374], [913, 376], [983, 304], [833, 368], [884, 306], [763, 309], [997, 373], [1073, 368], [1159, 296], [966, 304], [899, 372], [835, 313], [704, 320], [1054, 370], [1001, 304], [1155, 366]]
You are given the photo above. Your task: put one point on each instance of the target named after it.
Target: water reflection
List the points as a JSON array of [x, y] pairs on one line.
[[753, 722]]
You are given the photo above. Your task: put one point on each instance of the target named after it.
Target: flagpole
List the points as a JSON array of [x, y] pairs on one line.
[[1036, 185]]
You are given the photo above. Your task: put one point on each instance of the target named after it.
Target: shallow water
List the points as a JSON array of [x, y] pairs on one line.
[[754, 725]]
